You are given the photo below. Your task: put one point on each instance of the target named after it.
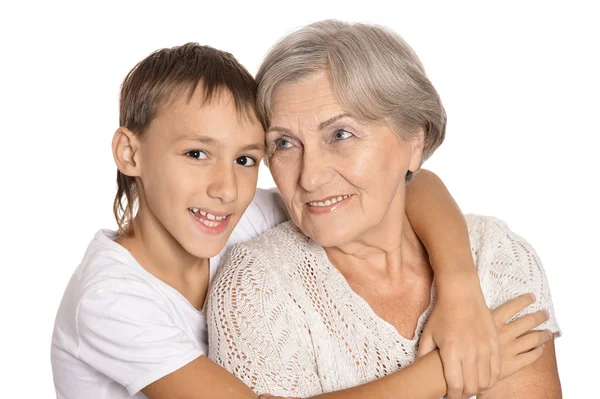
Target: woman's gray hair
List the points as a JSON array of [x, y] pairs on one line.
[[376, 76]]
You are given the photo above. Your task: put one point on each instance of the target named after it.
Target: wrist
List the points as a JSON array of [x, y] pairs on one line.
[[458, 282]]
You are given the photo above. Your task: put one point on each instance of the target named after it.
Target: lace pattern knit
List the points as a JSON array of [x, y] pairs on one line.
[[286, 322]]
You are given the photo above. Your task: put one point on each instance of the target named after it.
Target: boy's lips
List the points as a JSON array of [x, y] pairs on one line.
[[209, 215], [209, 221]]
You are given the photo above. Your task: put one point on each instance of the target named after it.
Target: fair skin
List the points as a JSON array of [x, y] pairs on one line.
[[174, 178], [318, 151], [197, 157]]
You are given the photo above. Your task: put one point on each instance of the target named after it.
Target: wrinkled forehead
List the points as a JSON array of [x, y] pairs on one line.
[[309, 100]]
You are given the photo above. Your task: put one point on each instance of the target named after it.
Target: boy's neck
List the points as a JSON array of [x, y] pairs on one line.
[[162, 256]]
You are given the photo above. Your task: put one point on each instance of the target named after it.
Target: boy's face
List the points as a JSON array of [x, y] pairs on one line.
[[199, 168]]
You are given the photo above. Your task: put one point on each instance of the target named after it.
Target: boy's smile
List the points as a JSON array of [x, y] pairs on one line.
[[198, 170]]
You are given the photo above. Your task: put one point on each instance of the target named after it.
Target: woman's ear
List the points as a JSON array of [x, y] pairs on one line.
[[125, 148], [417, 143]]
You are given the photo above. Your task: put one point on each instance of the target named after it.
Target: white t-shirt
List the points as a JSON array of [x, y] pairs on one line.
[[119, 328]]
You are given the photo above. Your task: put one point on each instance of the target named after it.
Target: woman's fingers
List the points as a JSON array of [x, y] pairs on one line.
[[525, 323], [530, 341], [503, 313]]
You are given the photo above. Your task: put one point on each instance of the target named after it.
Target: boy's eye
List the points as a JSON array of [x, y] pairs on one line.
[[196, 154], [245, 161], [342, 134]]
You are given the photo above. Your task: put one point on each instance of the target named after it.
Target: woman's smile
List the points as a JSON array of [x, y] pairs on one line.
[[328, 205]]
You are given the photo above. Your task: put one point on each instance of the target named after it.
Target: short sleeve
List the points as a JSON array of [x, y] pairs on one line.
[[512, 269], [128, 332], [257, 332]]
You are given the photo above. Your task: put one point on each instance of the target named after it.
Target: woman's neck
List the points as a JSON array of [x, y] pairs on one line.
[[389, 250]]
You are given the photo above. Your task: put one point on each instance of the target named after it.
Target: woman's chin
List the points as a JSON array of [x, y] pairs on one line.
[[330, 237]]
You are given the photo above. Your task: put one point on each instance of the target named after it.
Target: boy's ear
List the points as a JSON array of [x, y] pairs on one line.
[[417, 144], [125, 148]]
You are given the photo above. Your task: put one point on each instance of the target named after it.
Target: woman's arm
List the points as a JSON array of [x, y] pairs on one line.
[[539, 380], [258, 333], [203, 379], [461, 324], [515, 268]]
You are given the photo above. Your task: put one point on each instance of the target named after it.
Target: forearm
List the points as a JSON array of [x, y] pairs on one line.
[[440, 224], [423, 379]]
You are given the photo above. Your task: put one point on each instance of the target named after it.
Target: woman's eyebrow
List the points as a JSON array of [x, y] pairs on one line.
[[322, 125], [329, 121], [283, 130]]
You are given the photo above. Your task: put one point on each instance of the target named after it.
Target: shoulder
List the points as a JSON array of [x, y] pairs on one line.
[[266, 211], [508, 266], [107, 280], [492, 238], [108, 267], [272, 253]]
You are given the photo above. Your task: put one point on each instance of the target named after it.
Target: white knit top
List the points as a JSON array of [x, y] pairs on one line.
[[284, 320]]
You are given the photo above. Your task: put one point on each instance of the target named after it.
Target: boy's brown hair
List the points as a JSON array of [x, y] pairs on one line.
[[160, 76]]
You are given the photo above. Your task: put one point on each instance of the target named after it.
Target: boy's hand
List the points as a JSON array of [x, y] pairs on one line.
[[464, 330]]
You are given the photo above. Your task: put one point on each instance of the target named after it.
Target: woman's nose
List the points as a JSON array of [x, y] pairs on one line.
[[315, 173], [223, 185]]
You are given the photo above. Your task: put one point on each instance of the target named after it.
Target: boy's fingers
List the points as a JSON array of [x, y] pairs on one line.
[[528, 358], [453, 373], [525, 323], [503, 313], [426, 344], [530, 341]]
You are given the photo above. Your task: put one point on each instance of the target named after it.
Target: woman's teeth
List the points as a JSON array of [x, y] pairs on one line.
[[329, 202], [208, 219]]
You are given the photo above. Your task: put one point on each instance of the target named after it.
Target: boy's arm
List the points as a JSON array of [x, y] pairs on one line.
[[461, 325]]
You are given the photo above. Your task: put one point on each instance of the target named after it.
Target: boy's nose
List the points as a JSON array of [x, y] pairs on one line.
[[223, 185]]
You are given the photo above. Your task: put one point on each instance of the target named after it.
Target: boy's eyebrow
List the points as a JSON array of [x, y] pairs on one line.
[[255, 146], [198, 138], [210, 141]]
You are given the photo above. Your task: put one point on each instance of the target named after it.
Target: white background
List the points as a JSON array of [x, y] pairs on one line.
[[519, 82]]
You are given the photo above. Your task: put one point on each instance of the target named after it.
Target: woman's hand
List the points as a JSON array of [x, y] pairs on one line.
[[464, 330]]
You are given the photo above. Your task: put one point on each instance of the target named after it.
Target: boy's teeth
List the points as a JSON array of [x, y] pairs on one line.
[[210, 223], [329, 201], [208, 216]]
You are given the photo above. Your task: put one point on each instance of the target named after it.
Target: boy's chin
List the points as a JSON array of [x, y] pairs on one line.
[[206, 249]]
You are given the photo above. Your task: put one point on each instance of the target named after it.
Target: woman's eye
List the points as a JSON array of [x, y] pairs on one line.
[[196, 154], [342, 135], [282, 143], [245, 161]]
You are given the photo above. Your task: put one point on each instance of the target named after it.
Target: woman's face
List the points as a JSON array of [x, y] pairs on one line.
[[341, 179]]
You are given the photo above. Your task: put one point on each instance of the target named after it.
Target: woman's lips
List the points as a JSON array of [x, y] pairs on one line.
[[327, 205]]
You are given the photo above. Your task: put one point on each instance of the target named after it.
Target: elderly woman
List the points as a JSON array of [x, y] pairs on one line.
[[339, 296]]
